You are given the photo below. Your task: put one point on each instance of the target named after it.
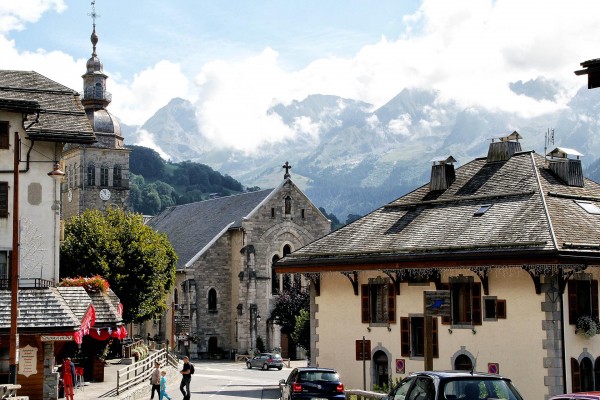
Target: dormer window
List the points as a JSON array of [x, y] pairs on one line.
[[482, 209], [588, 206]]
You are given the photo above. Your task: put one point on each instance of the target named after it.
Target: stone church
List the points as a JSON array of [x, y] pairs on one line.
[[97, 175], [226, 286]]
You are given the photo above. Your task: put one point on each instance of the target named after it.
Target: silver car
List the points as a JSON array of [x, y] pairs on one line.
[[266, 361]]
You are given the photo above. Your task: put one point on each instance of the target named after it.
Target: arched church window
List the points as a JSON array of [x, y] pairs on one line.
[[287, 249], [117, 175], [288, 205], [274, 277], [287, 278], [212, 300], [98, 94], [91, 175], [104, 175]]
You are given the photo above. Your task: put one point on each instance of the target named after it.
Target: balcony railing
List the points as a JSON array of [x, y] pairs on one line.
[[27, 283]]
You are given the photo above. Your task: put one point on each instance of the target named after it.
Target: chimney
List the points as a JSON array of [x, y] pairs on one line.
[[442, 173], [504, 148], [567, 169]]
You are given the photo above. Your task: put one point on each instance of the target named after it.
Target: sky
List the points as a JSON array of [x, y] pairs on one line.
[[234, 59]]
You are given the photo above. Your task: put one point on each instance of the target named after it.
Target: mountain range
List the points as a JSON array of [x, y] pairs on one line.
[[364, 157]]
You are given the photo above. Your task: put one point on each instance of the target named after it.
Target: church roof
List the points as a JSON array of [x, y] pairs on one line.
[[191, 227], [60, 118], [502, 213]]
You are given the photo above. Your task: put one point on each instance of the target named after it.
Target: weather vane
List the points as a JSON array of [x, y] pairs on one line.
[[93, 13]]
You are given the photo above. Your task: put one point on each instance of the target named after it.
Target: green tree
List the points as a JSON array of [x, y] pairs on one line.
[[288, 306], [301, 334], [138, 263]]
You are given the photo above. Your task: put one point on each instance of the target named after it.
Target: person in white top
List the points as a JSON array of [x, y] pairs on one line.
[[155, 380]]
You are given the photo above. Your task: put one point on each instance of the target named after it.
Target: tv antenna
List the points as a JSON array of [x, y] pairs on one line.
[[549, 139]]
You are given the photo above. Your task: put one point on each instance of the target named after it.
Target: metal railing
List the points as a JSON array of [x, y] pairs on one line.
[[352, 394], [28, 283], [141, 371]]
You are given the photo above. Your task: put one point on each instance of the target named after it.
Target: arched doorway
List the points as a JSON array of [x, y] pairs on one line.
[[380, 363], [463, 363], [587, 375]]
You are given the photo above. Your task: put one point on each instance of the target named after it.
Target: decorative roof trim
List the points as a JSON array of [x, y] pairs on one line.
[[208, 246]]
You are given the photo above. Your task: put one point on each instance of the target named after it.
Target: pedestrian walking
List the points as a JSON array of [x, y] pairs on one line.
[[186, 378], [163, 386], [155, 380]]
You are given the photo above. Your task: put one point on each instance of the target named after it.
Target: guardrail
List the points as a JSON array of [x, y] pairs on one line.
[[127, 348], [352, 394], [140, 371]]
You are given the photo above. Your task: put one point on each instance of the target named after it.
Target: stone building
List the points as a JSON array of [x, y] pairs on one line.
[[97, 175], [226, 246]]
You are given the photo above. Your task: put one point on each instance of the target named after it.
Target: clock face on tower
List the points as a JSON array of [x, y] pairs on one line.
[[105, 194]]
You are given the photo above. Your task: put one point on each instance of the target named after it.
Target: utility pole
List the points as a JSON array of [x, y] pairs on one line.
[[13, 354]]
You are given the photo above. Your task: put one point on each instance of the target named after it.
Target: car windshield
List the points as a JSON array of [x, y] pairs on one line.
[[479, 389]]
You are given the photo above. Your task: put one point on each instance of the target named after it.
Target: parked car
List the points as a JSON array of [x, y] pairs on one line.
[[312, 384], [577, 396], [265, 361], [454, 385]]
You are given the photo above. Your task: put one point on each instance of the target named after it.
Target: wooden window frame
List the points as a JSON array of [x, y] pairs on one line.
[[406, 343], [91, 175], [104, 173], [4, 199], [471, 298], [389, 303], [575, 308]]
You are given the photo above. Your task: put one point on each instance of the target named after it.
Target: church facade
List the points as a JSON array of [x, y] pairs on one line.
[[226, 246]]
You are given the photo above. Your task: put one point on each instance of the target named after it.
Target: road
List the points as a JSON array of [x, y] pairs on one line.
[[223, 380]]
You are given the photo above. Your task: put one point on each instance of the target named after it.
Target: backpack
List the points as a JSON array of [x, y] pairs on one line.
[[191, 369]]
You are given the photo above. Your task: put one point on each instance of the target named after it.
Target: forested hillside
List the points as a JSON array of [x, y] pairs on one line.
[[156, 184]]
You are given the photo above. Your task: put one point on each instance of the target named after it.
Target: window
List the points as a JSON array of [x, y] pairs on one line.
[[103, 176], [378, 302], [482, 209], [117, 175], [588, 206], [411, 337], [75, 175], [423, 389], [288, 205], [401, 390], [4, 135], [3, 199], [272, 212], [302, 214], [582, 375], [287, 282], [3, 265], [212, 300], [274, 277], [91, 175], [583, 299], [465, 296], [493, 309]]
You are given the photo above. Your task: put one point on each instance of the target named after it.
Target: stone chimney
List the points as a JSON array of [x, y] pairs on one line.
[[442, 173], [566, 165], [504, 148]]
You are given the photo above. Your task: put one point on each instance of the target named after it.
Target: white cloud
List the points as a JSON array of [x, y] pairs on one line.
[[400, 126], [15, 14], [146, 139]]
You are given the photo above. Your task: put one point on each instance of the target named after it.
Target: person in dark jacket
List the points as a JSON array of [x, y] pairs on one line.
[[186, 378]]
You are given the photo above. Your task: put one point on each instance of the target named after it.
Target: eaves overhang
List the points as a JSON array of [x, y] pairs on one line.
[[61, 136], [457, 259]]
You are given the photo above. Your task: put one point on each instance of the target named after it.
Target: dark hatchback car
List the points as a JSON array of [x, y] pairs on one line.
[[454, 385], [265, 361], [577, 396], [312, 384]]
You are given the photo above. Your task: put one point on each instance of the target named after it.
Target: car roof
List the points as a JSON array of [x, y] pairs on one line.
[[316, 369], [577, 395], [458, 374]]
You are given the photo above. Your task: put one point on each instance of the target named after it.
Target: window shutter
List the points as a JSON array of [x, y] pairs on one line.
[[364, 304], [436, 351], [446, 320], [4, 135], [391, 303], [476, 303], [3, 199], [575, 376], [594, 298], [572, 289], [405, 336], [500, 309], [359, 350]]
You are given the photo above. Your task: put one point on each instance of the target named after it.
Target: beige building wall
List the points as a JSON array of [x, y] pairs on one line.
[[516, 343]]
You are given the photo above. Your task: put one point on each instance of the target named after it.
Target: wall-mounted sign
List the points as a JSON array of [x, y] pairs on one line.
[[399, 365], [493, 368], [436, 303], [28, 362], [57, 338]]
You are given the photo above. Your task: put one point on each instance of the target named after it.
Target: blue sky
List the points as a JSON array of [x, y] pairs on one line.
[[241, 57]]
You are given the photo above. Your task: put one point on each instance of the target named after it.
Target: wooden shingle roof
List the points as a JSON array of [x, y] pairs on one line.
[[60, 116], [533, 217], [106, 309]]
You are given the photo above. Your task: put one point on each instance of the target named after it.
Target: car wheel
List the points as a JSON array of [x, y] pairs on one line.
[[265, 367], [279, 368], [249, 365]]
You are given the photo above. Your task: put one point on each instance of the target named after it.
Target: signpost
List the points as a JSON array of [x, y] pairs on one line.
[[436, 303]]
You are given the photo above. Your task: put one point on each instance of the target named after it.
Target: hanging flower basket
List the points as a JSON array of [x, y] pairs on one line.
[[587, 326]]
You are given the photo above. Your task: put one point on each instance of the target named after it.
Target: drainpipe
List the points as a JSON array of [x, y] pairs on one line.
[[562, 338], [10, 171]]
